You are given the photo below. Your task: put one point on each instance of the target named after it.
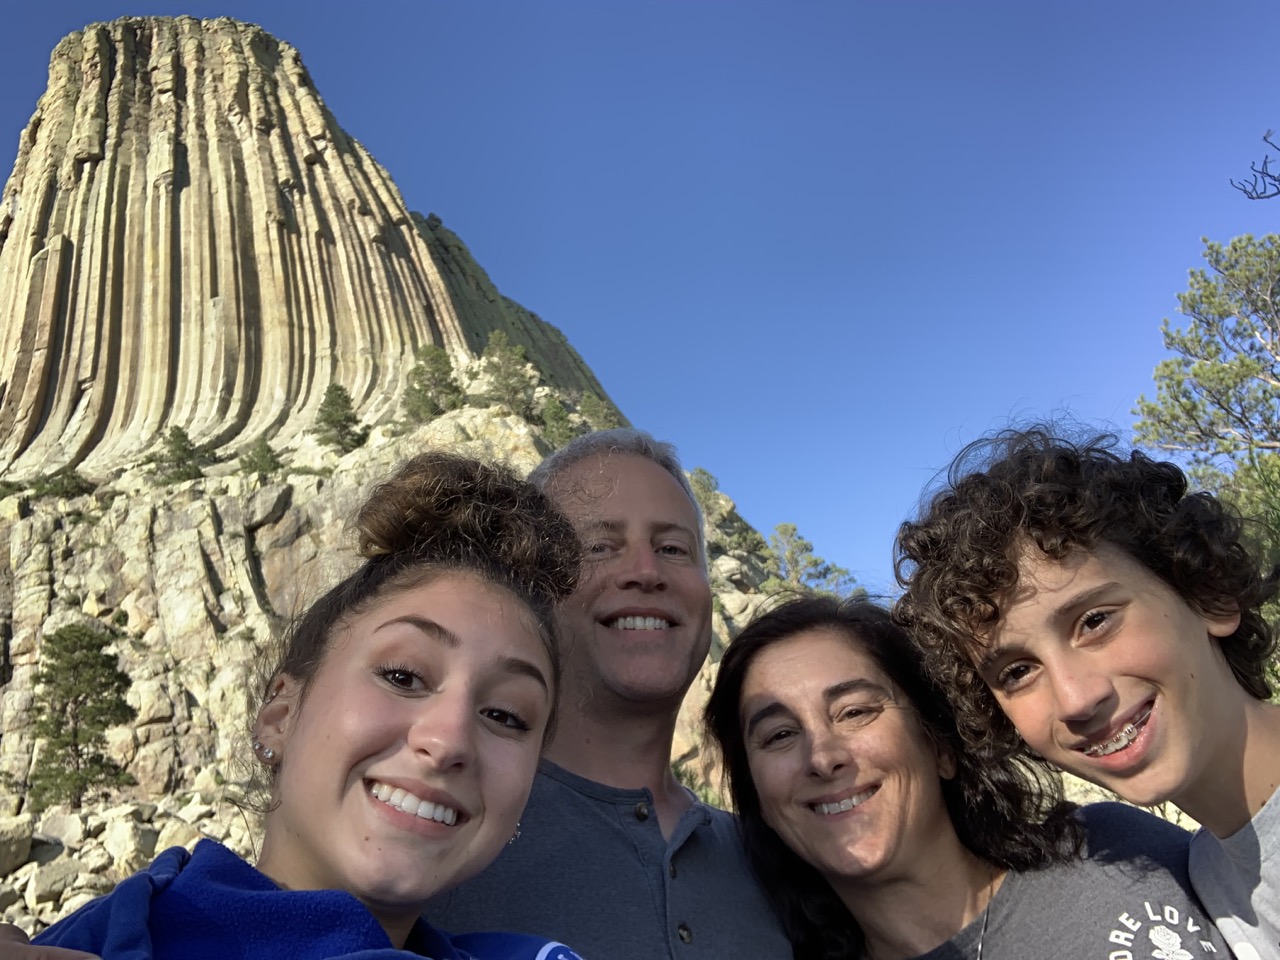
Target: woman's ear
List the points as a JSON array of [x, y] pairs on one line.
[[276, 718], [947, 767]]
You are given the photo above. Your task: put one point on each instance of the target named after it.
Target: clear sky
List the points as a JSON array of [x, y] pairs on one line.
[[818, 245]]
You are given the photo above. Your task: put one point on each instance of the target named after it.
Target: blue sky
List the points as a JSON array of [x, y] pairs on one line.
[[819, 246]]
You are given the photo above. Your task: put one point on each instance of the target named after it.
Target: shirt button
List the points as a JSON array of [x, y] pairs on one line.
[[642, 811], [685, 934], [671, 869]]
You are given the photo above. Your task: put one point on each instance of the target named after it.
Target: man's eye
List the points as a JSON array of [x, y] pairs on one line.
[[674, 550]]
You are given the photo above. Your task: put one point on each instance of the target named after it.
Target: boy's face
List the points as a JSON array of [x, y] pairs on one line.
[[1109, 674]]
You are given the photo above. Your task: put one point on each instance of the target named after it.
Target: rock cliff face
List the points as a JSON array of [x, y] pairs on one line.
[[189, 239]]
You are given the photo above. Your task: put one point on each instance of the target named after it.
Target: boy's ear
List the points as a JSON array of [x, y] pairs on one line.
[[277, 714], [1222, 624]]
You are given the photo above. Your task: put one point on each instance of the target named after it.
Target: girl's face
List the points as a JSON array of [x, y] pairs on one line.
[[845, 774], [406, 766]]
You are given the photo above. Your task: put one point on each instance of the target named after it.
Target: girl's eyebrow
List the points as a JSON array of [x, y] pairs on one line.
[[514, 665]]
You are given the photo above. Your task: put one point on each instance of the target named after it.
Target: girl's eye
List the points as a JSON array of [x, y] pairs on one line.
[[505, 718], [402, 678]]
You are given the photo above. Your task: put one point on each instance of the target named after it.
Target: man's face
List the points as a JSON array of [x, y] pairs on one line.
[[638, 628], [1109, 674]]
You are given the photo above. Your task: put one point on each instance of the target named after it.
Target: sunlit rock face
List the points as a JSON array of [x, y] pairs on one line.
[[189, 239]]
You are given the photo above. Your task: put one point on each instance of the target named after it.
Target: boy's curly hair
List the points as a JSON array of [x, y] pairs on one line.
[[959, 560]]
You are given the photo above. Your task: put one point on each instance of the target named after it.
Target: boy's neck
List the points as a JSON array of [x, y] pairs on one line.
[[1238, 787]]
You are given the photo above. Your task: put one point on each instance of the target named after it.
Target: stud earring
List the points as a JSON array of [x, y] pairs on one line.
[[257, 746], [515, 836], [268, 754]]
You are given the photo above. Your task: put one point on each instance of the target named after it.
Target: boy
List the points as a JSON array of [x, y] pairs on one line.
[[1114, 621]]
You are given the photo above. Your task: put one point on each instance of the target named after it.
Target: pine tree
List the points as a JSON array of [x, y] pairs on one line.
[[557, 428], [260, 458], [432, 389], [179, 459], [797, 569], [599, 414], [80, 694], [336, 423], [507, 369]]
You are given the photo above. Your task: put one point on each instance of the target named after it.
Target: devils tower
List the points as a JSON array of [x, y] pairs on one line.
[[189, 238]]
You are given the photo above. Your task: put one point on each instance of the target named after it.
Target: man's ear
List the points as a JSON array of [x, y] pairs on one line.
[[276, 718]]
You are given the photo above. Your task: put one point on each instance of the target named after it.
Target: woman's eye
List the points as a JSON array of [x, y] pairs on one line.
[[505, 718], [856, 714], [774, 737]]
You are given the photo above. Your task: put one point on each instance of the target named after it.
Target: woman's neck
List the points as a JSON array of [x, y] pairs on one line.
[[913, 913]]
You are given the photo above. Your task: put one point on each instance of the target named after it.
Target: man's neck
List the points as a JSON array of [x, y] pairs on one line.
[[629, 750]]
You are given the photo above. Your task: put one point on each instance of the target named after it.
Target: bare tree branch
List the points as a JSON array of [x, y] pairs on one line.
[[1264, 184]]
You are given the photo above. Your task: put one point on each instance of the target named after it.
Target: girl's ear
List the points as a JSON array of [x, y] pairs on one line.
[[276, 718]]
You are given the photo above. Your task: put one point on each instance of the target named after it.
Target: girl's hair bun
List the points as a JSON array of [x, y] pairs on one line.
[[442, 508]]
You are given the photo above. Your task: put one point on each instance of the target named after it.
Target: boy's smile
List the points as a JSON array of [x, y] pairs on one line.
[[1109, 674]]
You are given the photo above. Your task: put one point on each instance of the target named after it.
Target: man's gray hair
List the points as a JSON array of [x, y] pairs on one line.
[[624, 440]]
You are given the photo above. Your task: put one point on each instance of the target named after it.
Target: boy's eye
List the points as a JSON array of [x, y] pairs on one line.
[[1013, 676], [1094, 620]]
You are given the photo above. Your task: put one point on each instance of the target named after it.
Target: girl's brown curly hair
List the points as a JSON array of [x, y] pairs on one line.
[[959, 560]]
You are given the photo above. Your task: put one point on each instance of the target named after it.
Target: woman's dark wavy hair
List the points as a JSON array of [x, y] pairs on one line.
[[440, 513], [959, 560], [1008, 811]]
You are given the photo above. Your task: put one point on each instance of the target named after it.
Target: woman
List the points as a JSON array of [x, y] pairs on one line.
[[400, 733], [877, 836]]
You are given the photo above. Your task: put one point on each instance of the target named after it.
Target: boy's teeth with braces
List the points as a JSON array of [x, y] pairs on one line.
[[407, 802], [640, 623], [848, 803], [1128, 733]]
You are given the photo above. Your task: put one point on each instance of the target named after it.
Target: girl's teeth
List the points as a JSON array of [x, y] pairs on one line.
[[408, 803]]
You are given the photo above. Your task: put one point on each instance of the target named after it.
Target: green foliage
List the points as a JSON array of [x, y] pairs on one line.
[[432, 389], [1220, 392], [61, 483], [689, 776], [336, 422], [179, 459], [507, 369], [705, 490], [80, 694], [260, 458], [599, 414], [557, 428], [797, 570]]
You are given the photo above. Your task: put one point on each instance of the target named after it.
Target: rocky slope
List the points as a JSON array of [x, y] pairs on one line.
[[189, 238]]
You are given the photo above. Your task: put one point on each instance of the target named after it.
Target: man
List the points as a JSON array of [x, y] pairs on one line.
[[615, 857]]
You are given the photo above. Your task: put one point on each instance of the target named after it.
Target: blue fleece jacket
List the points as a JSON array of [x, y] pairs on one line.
[[211, 905]]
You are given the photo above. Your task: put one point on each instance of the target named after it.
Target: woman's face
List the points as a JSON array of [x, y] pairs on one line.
[[845, 774], [406, 766]]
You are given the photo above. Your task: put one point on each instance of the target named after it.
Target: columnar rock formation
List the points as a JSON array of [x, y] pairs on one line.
[[189, 239]]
